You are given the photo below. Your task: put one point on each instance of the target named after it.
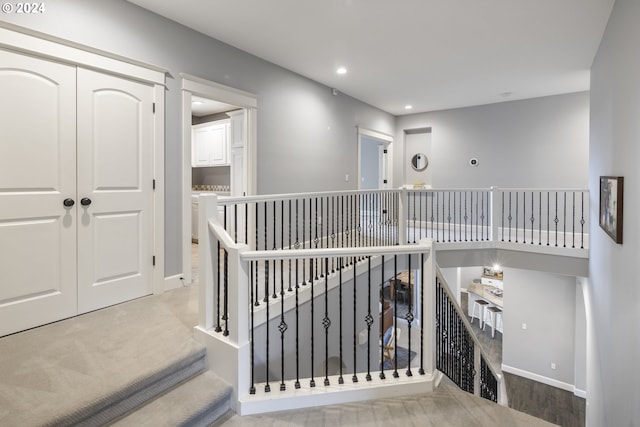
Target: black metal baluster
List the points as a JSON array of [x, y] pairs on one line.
[[466, 217], [282, 327], [421, 370], [368, 319], [235, 223], [432, 218], [257, 298], [312, 383], [290, 247], [556, 220], [395, 315], [340, 261], [517, 206], [573, 221], [510, 217], [582, 222], [218, 282], [414, 216], [246, 223], [382, 331], [548, 215], [564, 222], [502, 215], [354, 378], [448, 216], [326, 322], [409, 316], [304, 263], [226, 293], [267, 387], [540, 218], [297, 287], [316, 240], [524, 217], [252, 389]]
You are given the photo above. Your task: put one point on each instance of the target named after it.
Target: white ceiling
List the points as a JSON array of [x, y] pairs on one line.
[[432, 54]]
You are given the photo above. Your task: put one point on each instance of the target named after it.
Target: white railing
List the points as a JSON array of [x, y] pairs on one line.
[[263, 258], [539, 220]]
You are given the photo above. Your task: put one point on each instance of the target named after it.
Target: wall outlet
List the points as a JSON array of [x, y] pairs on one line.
[[524, 326], [346, 177], [553, 365]]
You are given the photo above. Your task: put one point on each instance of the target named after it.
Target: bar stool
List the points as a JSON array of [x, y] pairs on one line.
[[494, 314], [479, 305]]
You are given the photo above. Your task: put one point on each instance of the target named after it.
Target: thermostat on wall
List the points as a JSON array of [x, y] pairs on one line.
[[473, 161]]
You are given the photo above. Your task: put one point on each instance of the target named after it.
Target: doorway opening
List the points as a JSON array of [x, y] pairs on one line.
[[219, 147], [373, 159]]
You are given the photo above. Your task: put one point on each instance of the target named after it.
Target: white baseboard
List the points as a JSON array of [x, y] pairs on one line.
[[539, 378], [173, 282], [580, 393]]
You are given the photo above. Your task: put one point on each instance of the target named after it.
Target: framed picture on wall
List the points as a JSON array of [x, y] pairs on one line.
[[611, 192]]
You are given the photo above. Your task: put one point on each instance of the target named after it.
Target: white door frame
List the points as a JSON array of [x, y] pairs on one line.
[[196, 86], [387, 161], [50, 47]]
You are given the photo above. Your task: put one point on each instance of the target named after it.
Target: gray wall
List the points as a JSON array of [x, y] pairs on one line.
[[546, 304], [307, 138], [613, 291], [541, 142]]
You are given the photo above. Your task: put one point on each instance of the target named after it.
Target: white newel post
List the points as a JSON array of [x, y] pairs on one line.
[[429, 315], [207, 206], [228, 356]]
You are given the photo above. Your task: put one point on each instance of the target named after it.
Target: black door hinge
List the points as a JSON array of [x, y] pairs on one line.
[[384, 151], [154, 108], [154, 184], [384, 181], [154, 260]]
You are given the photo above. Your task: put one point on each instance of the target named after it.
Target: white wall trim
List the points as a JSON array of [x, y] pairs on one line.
[[580, 393], [174, 282], [374, 134], [192, 85], [539, 378], [22, 39], [158, 194]]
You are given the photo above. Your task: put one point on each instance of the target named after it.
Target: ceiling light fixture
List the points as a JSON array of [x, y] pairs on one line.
[[197, 102], [408, 107], [341, 70]]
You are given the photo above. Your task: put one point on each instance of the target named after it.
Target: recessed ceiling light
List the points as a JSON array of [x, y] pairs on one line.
[[341, 70], [408, 107], [197, 102]]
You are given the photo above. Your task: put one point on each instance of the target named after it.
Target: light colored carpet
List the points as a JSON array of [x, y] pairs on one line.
[[58, 373]]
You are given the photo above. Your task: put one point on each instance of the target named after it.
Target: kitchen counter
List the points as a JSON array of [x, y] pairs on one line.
[[485, 292]]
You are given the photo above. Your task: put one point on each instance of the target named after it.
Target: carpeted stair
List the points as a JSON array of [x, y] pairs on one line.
[[197, 402], [122, 361]]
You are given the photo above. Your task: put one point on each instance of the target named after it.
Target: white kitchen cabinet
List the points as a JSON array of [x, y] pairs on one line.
[[210, 144]]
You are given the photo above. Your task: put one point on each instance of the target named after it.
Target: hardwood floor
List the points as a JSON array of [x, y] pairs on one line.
[[531, 397]]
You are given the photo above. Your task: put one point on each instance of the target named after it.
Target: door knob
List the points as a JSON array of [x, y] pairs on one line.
[[85, 201], [68, 202]]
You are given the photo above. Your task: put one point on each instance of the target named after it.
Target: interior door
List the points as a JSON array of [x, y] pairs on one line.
[[115, 190], [37, 175]]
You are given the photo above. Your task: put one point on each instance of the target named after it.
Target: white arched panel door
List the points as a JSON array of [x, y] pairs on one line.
[[115, 190], [37, 176]]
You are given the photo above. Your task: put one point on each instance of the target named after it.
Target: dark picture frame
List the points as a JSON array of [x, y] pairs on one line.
[[611, 203]]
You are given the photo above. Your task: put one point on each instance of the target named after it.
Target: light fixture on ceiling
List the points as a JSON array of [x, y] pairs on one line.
[[408, 107], [341, 70], [196, 102]]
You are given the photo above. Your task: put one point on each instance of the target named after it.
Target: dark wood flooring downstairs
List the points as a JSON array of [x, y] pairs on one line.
[[540, 400]]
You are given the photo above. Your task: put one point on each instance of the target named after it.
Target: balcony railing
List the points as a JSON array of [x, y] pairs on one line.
[[509, 218], [292, 285]]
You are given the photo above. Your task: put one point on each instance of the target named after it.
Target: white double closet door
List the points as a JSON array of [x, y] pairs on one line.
[[76, 190]]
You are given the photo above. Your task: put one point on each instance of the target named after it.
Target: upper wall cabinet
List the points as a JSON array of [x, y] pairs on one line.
[[210, 144]]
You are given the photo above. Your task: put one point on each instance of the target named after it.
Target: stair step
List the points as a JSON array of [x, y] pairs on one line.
[[196, 402]]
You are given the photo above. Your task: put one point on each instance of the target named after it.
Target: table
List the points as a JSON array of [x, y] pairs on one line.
[[405, 280]]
